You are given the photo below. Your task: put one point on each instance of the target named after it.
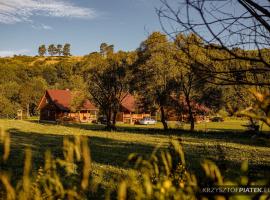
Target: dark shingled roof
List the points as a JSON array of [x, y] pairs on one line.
[[62, 99]]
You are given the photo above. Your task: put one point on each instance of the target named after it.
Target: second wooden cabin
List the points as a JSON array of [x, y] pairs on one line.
[[129, 111]]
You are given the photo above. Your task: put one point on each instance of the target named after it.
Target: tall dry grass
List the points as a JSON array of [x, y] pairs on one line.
[[164, 175]]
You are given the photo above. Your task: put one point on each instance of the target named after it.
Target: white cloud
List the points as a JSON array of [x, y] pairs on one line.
[[14, 11], [41, 26], [6, 53]]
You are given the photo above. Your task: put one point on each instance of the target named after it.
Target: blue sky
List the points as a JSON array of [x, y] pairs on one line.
[[85, 24]]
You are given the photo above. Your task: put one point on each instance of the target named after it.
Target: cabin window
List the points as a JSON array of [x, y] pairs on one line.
[[48, 113]]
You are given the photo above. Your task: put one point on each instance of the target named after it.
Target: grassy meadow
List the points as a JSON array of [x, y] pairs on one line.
[[110, 150]]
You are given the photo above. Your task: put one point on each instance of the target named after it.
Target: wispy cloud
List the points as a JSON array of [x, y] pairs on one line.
[[6, 53], [41, 26], [14, 11]]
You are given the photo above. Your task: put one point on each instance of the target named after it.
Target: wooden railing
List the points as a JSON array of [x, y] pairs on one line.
[[132, 118]]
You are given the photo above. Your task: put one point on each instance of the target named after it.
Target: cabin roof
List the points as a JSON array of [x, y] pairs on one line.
[[195, 105], [63, 98], [129, 103]]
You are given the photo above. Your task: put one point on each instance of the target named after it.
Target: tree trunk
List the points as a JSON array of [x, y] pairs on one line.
[[163, 120], [114, 118], [191, 117], [108, 118]]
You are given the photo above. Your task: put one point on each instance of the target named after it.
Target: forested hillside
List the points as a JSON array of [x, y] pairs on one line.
[[24, 79]]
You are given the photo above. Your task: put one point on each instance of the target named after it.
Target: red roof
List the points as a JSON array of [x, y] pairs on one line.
[[62, 99], [195, 106], [129, 103]]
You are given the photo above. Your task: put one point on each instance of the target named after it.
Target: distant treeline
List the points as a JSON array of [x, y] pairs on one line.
[[53, 50]]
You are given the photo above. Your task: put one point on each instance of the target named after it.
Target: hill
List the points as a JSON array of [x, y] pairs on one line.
[[24, 79]]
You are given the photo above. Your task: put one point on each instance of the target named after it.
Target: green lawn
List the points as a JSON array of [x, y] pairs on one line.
[[109, 150], [228, 125]]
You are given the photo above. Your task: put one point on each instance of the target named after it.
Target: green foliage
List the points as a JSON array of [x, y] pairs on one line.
[[28, 78], [158, 72], [7, 108], [155, 69], [106, 49], [31, 93], [42, 50], [66, 50], [59, 49], [260, 109], [52, 50], [109, 82]]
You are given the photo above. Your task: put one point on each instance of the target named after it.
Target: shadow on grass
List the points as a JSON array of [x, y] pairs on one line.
[[104, 151], [111, 152], [224, 135]]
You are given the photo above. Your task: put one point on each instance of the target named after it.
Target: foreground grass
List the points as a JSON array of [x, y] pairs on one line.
[[109, 150]]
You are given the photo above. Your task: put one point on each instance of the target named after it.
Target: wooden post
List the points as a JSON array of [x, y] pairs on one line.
[[130, 118], [19, 114]]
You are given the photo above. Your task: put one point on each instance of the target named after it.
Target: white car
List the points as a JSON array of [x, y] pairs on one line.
[[147, 120]]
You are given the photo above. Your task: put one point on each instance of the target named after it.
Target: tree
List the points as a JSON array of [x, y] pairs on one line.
[[9, 92], [52, 50], [189, 82], [42, 50], [59, 49], [239, 29], [106, 49], [155, 69], [31, 93], [66, 50], [79, 89], [109, 83], [236, 36], [8, 108]]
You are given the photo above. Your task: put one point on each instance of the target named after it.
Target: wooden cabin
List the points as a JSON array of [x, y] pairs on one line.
[[55, 106], [129, 111], [178, 110]]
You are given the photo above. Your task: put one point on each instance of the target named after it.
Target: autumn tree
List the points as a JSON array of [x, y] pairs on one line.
[[42, 50]]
